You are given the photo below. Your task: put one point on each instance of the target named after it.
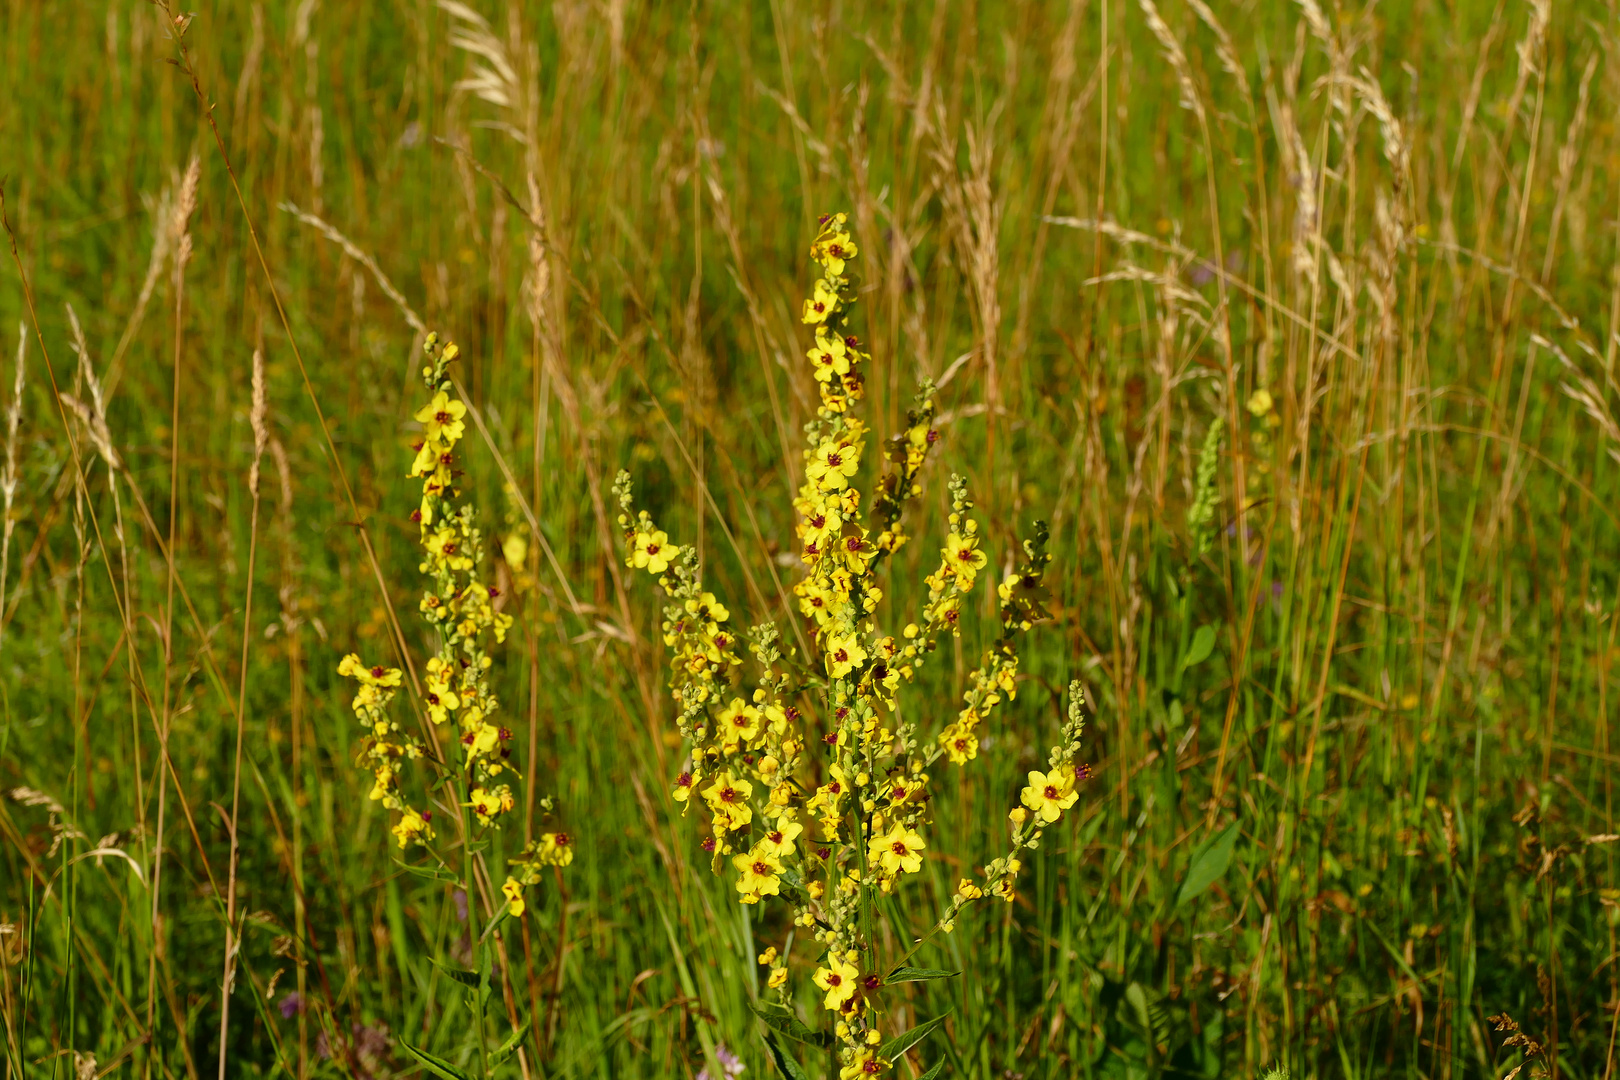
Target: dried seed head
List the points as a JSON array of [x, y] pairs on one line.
[[256, 417]]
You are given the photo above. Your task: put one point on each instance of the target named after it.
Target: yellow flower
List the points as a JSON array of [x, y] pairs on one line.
[[968, 891], [738, 723], [706, 607], [1006, 888], [899, 850], [864, 1063], [813, 600], [822, 526], [556, 849], [760, 875], [445, 543], [441, 419], [412, 827], [961, 553], [829, 358], [654, 552], [822, 305], [728, 802], [430, 456], [1049, 794], [441, 700], [844, 653], [959, 743], [778, 843], [384, 785], [832, 250], [838, 980], [833, 465], [351, 667], [487, 804], [683, 787], [853, 550], [482, 740], [514, 896], [778, 977], [828, 795]]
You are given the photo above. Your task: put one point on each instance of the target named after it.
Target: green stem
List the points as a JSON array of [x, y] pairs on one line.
[[477, 1004]]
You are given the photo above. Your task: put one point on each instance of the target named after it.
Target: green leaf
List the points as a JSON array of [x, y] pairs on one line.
[[508, 1047], [1203, 643], [1208, 864], [469, 979], [912, 974], [784, 1064], [898, 1045], [935, 1071], [786, 1023], [431, 873], [434, 1064]]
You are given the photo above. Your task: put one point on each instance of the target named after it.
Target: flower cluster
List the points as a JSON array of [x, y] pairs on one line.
[[814, 789], [457, 692], [456, 601], [552, 849], [1045, 799], [387, 746]]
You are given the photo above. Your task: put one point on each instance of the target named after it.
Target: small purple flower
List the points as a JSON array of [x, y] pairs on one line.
[[729, 1062], [292, 1005]]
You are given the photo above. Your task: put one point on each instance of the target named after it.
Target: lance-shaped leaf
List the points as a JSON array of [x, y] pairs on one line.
[[898, 1045], [784, 1064], [915, 974], [783, 1022], [433, 1063]]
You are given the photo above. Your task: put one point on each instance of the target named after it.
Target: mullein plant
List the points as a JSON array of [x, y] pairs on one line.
[[814, 785], [476, 770]]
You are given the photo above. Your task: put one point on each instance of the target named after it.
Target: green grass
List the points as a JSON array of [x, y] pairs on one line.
[[1412, 587]]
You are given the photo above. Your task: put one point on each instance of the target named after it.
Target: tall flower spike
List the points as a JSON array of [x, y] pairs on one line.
[[458, 695], [813, 794]]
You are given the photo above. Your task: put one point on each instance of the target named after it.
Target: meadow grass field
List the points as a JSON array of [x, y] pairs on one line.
[[1295, 322]]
